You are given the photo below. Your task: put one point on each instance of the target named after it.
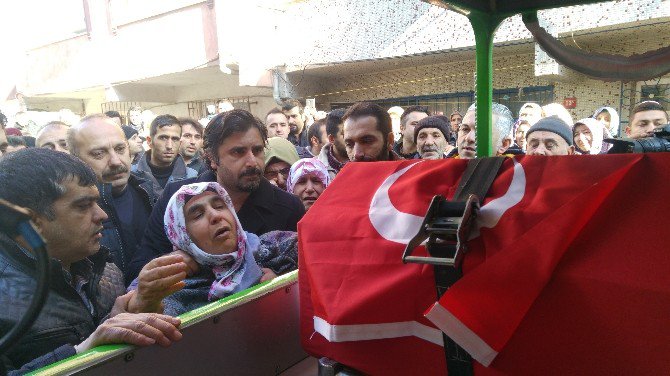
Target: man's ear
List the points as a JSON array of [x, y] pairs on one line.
[[212, 164], [390, 139], [149, 141], [314, 141], [571, 150], [331, 138], [402, 127], [627, 130]]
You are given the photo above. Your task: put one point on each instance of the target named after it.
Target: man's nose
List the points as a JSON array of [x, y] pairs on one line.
[[114, 159], [472, 136], [99, 215]]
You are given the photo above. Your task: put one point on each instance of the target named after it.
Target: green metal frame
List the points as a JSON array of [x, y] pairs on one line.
[[103, 353], [485, 16]]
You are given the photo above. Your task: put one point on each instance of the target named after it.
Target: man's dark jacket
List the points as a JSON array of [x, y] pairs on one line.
[[65, 320], [113, 237], [266, 209]]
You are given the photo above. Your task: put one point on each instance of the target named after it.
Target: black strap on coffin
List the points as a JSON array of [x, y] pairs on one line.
[[477, 180]]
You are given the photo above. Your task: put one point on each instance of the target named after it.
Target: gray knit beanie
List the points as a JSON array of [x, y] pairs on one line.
[[554, 125], [432, 122]]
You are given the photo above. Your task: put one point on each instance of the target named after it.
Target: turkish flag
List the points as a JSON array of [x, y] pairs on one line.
[[566, 272]]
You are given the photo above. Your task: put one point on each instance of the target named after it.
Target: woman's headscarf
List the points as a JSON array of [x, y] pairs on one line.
[[304, 167], [613, 129], [597, 133], [231, 270]]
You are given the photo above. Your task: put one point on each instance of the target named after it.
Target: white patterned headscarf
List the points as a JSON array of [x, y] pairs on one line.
[[307, 166], [231, 270]]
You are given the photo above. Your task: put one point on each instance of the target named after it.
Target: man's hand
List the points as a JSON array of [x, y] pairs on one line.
[[159, 278], [140, 329], [267, 274]]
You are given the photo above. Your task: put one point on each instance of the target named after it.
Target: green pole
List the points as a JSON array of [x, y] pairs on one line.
[[484, 26]]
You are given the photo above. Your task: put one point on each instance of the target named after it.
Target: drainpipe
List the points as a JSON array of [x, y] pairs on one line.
[[280, 84]]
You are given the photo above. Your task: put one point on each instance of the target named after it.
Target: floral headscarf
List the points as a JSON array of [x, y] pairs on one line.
[[230, 270], [304, 167]]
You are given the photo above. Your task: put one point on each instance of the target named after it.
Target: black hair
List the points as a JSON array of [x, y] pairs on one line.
[[113, 114], [290, 103], [162, 121], [192, 122], [315, 130], [15, 141], [30, 141], [334, 120], [410, 109], [34, 178], [648, 106], [3, 120], [362, 109], [224, 125]]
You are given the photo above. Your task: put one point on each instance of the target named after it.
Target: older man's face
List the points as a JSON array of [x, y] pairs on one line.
[[431, 144], [548, 144]]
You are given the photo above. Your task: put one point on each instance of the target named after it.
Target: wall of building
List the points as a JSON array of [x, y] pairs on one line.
[[510, 71]]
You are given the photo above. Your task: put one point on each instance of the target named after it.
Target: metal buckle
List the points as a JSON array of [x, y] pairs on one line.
[[447, 226]]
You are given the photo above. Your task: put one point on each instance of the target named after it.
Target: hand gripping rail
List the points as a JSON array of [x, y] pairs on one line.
[[253, 332]]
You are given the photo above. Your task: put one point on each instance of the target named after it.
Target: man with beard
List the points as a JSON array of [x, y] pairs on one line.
[[126, 198], [368, 136], [191, 144], [162, 163], [334, 154], [235, 147], [296, 122]]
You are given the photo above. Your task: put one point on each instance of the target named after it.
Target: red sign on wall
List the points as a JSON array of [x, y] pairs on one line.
[[570, 102]]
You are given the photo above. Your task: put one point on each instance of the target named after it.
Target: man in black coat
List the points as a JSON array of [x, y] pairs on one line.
[[235, 144], [85, 306]]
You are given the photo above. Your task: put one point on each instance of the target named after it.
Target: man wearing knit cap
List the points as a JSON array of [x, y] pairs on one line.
[[134, 142], [549, 136], [431, 136]]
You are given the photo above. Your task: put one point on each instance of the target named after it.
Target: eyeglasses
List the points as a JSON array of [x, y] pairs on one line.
[[272, 174]]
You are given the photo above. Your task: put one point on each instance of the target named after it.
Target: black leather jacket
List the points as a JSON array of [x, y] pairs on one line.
[[65, 318], [113, 238]]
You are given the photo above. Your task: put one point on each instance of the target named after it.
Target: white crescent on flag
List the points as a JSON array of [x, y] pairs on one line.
[[399, 227]]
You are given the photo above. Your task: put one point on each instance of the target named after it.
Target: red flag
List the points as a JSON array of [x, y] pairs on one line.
[[542, 262]]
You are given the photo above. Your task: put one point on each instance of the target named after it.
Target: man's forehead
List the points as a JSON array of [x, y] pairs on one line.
[[293, 111], [544, 136], [169, 130], [360, 126], [74, 191], [249, 138], [650, 115], [188, 128], [416, 115]]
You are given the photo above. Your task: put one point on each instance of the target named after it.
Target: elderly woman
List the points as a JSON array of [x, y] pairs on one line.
[[307, 179], [280, 154], [200, 221], [610, 119], [588, 136]]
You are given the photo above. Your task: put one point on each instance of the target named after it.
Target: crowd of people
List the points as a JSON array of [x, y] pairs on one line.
[[145, 224]]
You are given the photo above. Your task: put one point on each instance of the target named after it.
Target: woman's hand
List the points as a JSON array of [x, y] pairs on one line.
[[159, 278]]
